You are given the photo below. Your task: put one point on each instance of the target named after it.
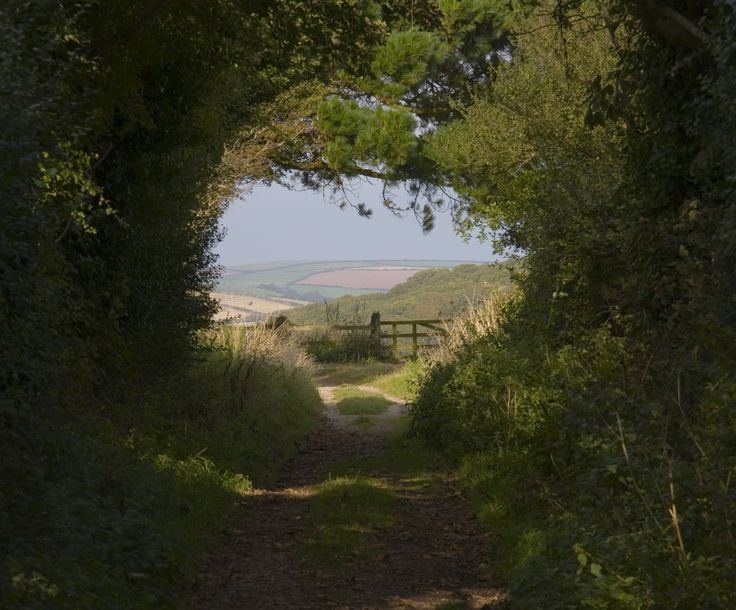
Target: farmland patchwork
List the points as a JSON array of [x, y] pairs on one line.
[[252, 292]]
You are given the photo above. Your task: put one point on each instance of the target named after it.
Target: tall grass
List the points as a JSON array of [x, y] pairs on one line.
[[260, 377], [344, 346], [261, 345], [480, 319]]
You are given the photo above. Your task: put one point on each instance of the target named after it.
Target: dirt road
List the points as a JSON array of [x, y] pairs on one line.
[[428, 555]]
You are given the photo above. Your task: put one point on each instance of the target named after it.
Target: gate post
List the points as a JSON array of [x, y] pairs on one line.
[[376, 324], [375, 332]]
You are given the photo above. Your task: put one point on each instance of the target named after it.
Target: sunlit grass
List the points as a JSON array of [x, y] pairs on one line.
[[352, 401], [406, 458], [360, 373], [394, 379], [401, 383]]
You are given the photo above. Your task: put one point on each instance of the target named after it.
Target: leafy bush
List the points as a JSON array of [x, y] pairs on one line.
[[604, 491], [592, 424]]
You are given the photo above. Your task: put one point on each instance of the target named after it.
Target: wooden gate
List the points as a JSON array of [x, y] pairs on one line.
[[392, 330], [411, 329]]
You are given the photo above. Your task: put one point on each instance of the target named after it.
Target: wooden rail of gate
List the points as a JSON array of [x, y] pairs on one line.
[[399, 329], [419, 328]]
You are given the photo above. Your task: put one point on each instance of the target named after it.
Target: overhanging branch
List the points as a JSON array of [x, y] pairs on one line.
[[671, 25]]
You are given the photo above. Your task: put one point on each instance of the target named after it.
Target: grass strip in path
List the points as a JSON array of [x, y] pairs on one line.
[[353, 401], [347, 516], [364, 421], [392, 526], [394, 379], [355, 373]]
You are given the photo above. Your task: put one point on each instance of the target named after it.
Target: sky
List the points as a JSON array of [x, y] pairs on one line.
[[272, 223]]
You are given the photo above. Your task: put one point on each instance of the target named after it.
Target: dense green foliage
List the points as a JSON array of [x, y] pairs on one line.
[[595, 423], [427, 295], [134, 492], [115, 123], [373, 122], [122, 132]]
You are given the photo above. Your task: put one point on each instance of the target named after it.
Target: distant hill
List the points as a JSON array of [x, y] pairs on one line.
[[433, 293], [319, 280]]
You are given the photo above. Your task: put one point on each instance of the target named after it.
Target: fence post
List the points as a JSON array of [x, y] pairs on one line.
[[414, 339], [376, 325], [375, 332], [394, 341]]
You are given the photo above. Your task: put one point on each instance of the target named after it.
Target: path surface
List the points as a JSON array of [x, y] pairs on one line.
[[431, 557]]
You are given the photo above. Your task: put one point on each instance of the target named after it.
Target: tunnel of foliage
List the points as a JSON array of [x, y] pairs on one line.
[[595, 423], [595, 137]]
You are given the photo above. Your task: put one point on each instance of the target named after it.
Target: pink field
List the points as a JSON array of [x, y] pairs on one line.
[[360, 278]]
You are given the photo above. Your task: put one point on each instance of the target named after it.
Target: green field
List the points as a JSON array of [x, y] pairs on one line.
[[280, 278]]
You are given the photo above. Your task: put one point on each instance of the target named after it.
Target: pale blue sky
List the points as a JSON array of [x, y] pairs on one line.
[[273, 224]]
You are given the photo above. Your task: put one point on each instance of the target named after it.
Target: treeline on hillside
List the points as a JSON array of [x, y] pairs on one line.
[[430, 294]]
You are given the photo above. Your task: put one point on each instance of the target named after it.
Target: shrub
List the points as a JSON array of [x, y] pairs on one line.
[[114, 503], [606, 489], [344, 346]]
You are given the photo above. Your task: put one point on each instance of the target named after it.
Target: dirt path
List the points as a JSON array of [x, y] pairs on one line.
[[431, 558]]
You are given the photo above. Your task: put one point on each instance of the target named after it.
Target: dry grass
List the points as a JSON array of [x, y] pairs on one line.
[[259, 343], [479, 320]]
